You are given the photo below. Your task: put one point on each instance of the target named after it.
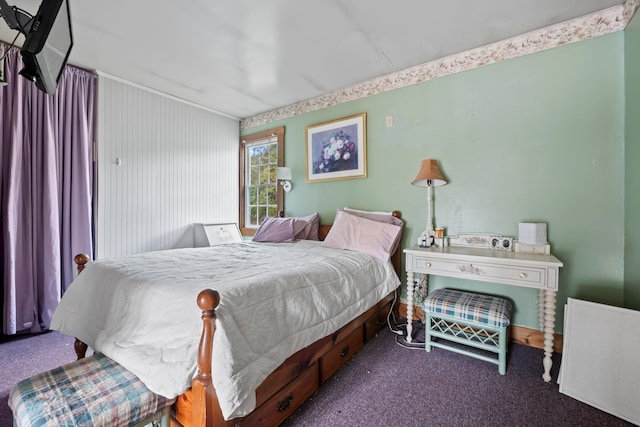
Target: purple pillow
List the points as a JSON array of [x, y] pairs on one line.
[[281, 230], [314, 219]]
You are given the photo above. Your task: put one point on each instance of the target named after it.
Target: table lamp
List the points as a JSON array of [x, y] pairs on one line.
[[429, 176]]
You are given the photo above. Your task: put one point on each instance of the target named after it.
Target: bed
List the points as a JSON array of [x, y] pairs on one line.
[[271, 332]]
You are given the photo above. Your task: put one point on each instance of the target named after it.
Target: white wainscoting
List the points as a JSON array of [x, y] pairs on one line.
[[162, 165]]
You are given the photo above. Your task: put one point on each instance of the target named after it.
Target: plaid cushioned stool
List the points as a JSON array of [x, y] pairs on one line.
[[95, 391], [476, 320]]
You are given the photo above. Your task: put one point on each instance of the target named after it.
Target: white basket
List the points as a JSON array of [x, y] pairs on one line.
[[532, 232]]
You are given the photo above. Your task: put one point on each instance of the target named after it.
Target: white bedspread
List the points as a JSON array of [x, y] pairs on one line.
[[275, 299]]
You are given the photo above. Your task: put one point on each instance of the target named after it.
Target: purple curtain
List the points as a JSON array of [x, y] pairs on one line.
[[46, 190]]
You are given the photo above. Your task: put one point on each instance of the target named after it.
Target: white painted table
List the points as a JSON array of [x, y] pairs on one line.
[[489, 265]]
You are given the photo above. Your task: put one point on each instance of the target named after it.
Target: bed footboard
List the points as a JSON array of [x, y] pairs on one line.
[[201, 399]]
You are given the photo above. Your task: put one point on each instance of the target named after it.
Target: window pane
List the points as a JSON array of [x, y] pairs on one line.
[[254, 156], [254, 175], [253, 215], [272, 195], [262, 213], [264, 155], [262, 196], [264, 175], [273, 211], [273, 169], [253, 196]]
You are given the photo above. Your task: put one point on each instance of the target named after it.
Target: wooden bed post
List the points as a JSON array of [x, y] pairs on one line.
[[81, 261], [80, 348], [206, 411]]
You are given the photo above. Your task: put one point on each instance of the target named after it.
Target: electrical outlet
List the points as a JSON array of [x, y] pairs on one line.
[[389, 121]]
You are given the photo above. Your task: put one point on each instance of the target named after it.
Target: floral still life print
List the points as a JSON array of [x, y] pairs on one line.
[[336, 150]]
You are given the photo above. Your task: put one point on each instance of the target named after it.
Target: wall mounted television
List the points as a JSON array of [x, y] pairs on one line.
[[48, 40]]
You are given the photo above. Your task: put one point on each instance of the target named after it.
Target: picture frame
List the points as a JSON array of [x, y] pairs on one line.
[[216, 234], [337, 149]]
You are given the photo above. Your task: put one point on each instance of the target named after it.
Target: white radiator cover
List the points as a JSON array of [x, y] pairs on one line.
[[600, 357], [162, 165]]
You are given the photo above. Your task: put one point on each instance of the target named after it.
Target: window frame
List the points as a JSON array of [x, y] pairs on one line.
[[246, 140]]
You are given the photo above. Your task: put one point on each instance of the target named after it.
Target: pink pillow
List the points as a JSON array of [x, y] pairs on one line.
[[281, 230], [361, 234], [378, 217]]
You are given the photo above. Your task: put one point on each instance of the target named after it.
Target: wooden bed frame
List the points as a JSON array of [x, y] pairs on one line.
[[286, 388]]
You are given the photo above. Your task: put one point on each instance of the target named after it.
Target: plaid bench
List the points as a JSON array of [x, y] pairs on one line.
[[475, 320], [94, 391]]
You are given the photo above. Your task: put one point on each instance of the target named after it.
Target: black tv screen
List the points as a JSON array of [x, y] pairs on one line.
[[47, 45]]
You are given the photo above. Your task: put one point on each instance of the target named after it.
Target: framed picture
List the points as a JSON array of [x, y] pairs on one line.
[[337, 149], [215, 234]]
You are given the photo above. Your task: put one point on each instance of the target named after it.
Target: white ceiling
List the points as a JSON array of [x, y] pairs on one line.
[[244, 57]]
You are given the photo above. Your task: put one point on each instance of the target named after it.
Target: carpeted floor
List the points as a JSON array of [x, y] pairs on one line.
[[27, 355], [385, 385], [388, 385]]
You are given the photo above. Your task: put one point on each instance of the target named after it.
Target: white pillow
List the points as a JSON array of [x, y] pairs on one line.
[[361, 234]]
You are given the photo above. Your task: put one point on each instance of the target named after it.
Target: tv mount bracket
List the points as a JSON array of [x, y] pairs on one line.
[[16, 18]]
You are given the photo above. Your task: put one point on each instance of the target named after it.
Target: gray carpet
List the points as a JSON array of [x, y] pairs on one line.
[[384, 385], [27, 355], [388, 385]]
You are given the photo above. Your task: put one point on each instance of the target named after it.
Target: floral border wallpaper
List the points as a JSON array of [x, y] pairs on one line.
[[596, 24]]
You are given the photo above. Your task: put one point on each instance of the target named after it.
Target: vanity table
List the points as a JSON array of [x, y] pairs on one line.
[[489, 265]]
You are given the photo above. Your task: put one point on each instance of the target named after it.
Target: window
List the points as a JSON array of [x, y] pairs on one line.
[[260, 155]]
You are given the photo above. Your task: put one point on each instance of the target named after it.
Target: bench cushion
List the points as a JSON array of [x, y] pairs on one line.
[[485, 309], [95, 391]]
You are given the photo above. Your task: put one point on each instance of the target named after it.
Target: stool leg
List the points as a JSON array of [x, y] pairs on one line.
[[427, 333], [502, 355]]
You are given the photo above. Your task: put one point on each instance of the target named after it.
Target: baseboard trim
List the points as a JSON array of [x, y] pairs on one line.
[[517, 334]]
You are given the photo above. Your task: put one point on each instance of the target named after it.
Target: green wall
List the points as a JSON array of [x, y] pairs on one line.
[[632, 155], [537, 138]]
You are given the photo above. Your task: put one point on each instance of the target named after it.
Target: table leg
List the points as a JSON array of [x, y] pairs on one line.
[[410, 288], [549, 323], [541, 310]]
